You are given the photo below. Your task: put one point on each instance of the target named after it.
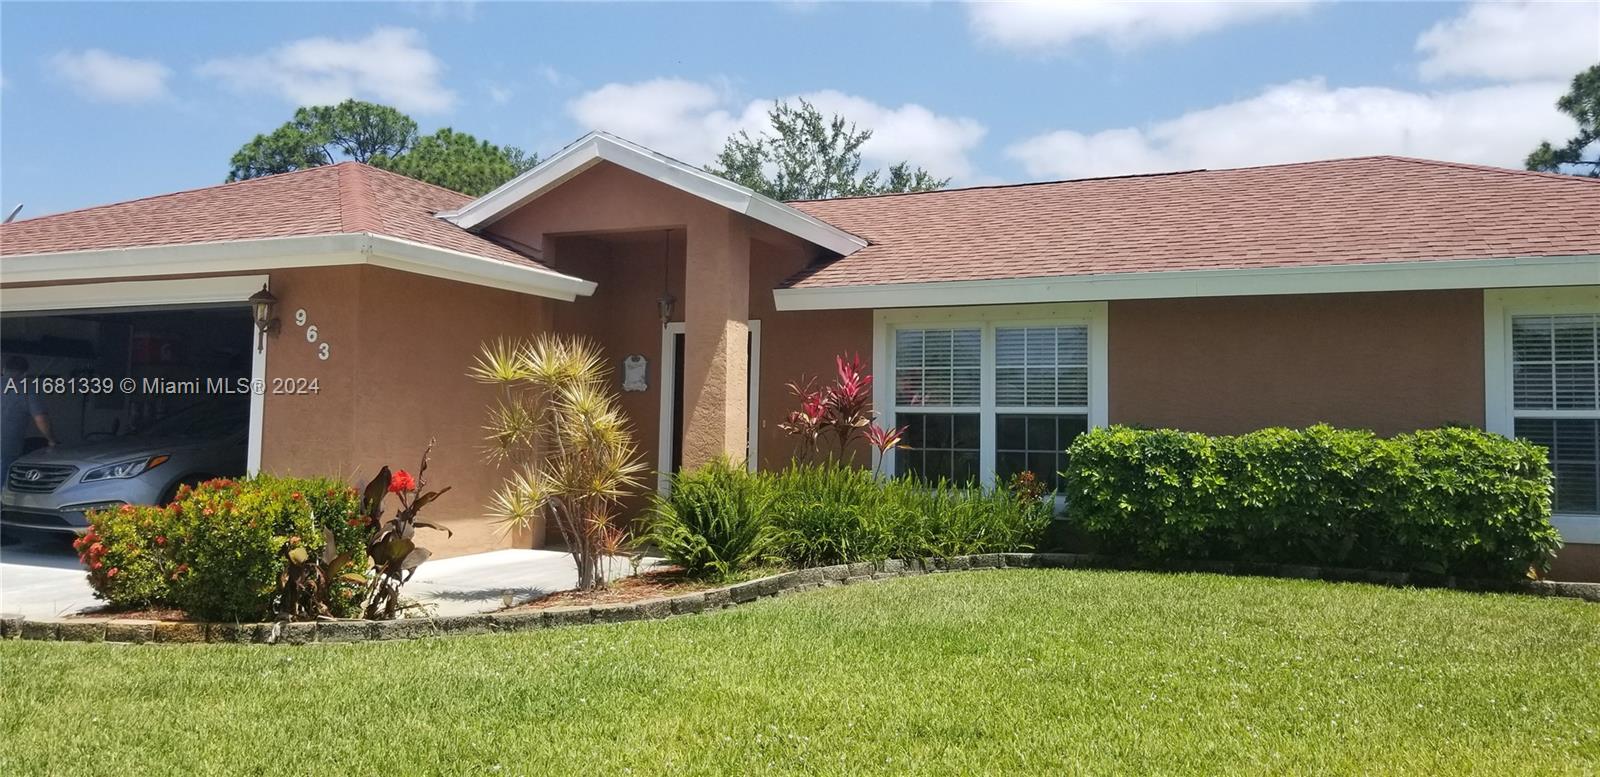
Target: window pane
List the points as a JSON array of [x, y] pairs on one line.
[[1574, 445], [1555, 362], [943, 445], [1042, 366], [1037, 443], [938, 367]]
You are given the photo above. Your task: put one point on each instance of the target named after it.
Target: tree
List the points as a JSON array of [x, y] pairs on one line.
[[461, 162], [808, 157], [570, 446], [383, 137], [1583, 104], [358, 130]]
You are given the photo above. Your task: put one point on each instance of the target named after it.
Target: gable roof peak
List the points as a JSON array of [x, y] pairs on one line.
[[596, 147]]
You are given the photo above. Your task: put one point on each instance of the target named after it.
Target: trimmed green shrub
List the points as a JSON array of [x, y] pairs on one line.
[[716, 521], [1443, 501], [234, 534], [220, 549], [125, 552]]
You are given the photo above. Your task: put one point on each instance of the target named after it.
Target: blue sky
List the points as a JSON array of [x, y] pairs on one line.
[[106, 102]]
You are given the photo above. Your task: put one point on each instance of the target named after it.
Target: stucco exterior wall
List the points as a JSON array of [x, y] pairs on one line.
[[1390, 362], [400, 348], [795, 345]]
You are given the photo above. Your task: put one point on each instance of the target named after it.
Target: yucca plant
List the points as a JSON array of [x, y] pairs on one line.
[[568, 444]]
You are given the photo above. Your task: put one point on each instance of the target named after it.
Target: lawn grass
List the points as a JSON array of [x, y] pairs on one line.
[[1020, 671]]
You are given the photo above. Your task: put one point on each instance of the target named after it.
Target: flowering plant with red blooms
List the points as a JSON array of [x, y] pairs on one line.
[[391, 549], [401, 482], [124, 556]]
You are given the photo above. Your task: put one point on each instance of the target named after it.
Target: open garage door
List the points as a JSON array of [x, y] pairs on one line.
[[140, 394]]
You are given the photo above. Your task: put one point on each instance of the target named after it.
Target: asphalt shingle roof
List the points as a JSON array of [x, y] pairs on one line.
[[1338, 212], [333, 199]]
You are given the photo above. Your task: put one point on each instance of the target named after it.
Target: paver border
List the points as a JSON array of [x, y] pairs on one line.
[[126, 631]]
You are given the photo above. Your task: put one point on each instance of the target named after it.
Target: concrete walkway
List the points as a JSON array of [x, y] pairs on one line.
[[40, 578]]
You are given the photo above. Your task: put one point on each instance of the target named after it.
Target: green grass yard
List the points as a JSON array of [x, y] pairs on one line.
[[1025, 671]]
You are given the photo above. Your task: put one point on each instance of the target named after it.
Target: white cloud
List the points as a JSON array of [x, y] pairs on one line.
[[690, 120], [1045, 25], [101, 75], [391, 66], [500, 95], [1513, 41], [1306, 120]]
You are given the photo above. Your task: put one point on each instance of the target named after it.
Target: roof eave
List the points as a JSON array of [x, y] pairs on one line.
[[1509, 272], [597, 147], [235, 256]]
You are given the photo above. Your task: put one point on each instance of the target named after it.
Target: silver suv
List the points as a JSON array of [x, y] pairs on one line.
[[51, 488]]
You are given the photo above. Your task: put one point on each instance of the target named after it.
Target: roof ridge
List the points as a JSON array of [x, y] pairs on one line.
[[1084, 179], [409, 179], [247, 181], [358, 212], [1491, 168]]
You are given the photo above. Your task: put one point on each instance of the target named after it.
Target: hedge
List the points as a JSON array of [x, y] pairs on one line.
[[1449, 501]]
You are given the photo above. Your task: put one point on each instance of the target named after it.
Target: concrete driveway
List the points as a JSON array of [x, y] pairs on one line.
[[40, 578]]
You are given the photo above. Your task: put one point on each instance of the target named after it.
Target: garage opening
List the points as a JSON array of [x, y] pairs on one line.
[[137, 401]]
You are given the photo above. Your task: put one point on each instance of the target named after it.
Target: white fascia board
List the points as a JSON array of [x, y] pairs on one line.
[[241, 256], [407, 256], [220, 257], [1389, 276], [596, 147]]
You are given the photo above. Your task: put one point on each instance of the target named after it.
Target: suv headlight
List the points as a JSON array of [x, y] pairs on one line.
[[124, 469]]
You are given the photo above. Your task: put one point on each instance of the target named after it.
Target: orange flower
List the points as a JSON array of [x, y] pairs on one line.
[[402, 482]]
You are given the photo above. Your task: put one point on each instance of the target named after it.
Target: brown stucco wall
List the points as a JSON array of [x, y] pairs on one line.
[[400, 348], [1577, 562], [795, 345], [1390, 362]]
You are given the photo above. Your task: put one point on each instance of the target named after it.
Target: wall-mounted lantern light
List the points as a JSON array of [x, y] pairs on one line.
[[664, 305], [665, 302], [263, 306]]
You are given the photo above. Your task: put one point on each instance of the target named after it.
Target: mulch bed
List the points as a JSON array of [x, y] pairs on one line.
[[655, 584], [171, 614]]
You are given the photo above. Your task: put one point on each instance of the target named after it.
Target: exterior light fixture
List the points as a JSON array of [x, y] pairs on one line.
[[664, 305], [665, 302], [262, 307]]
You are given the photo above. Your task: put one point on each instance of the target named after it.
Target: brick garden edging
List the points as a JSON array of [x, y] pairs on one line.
[[333, 631]]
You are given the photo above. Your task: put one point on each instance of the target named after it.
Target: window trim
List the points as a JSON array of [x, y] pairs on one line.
[[986, 319], [1499, 306]]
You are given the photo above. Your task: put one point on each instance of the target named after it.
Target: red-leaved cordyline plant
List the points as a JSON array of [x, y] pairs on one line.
[[842, 408]]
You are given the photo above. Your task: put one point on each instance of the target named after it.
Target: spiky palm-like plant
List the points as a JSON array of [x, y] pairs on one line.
[[569, 446]]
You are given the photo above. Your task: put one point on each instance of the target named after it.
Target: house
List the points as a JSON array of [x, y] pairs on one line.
[[1381, 292]]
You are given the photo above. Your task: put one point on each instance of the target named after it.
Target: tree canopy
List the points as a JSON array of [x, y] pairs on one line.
[[383, 137], [458, 161], [1582, 151], [808, 157]]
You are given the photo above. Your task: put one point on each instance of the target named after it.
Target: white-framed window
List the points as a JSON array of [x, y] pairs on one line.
[[1542, 384], [990, 391]]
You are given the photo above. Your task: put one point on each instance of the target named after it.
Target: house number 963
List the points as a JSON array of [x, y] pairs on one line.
[[312, 335]]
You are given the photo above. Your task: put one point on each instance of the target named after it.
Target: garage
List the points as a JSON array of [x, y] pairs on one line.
[[141, 393]]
